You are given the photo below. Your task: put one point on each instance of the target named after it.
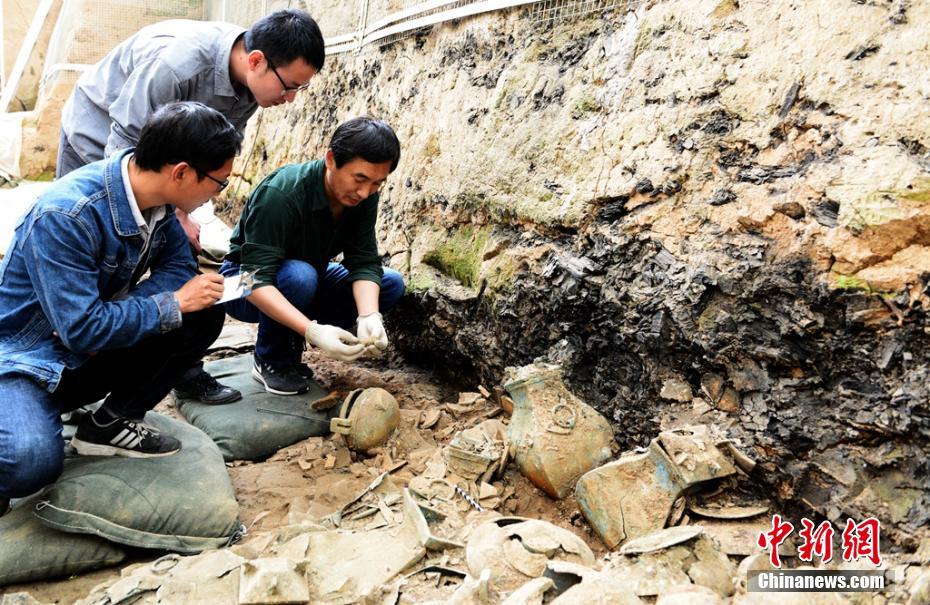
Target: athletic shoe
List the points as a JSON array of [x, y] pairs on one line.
[[122, 437], [205, 389], [285, 380]]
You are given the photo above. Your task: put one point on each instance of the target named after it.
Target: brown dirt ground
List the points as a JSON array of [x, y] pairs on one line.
[[269, 491]]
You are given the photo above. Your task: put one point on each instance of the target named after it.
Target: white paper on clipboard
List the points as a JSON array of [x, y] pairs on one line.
[[237, 286]]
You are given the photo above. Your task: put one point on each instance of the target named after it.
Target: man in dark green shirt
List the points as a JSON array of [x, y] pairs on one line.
[[295, 222]]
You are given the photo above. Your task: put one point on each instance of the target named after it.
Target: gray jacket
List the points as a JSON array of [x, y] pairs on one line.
[[169, 61]]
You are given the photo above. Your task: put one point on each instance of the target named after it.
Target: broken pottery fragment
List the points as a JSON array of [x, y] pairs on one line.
[[272, 581], [473, 591], [556, 436], [738, 536], [380, 504], [740, 459], [349, 566], [579, 585], [713, 569], [728, 502], [661, 539], [204, 579], [675, 389], [516, 549], [429, 418], [712, 385], [633, 496], [18, 598], [474, 453], [127, 589], [209, 578], [468, 403], [367, 418], [652, 573], [629, 497], [729, 401], [697, 561], [417, 585], [530, 593], [733, 512], [693, 451], [427, 538]]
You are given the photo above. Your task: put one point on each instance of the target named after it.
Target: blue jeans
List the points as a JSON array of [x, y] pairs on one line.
[[328, 300], [135, 378]]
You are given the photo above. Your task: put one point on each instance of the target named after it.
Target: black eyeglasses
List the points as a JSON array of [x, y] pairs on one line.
[[287, 89], [220, 185]]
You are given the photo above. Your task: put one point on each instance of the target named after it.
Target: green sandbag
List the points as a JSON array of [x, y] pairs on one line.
[[260, 423], [31, 551], [183, 502]]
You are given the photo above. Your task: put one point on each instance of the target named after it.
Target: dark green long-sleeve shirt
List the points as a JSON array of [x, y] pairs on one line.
[[288, 217]]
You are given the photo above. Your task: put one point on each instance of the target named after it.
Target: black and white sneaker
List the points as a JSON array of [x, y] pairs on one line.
[[122, 437], [206, 389], [285, 380]]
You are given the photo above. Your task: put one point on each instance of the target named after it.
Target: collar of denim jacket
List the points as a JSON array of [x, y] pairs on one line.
[[123, 218]]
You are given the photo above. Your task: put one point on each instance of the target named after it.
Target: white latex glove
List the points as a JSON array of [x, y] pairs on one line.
[[334, 342], [371, 331]]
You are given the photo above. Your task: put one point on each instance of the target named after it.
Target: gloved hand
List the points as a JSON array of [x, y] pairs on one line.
[[334, 342], [371, 331]]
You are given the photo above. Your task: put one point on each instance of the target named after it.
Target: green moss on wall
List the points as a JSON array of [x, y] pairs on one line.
[[850, 282], [584, 105], [420, 281], [500, 272], [459, 256]]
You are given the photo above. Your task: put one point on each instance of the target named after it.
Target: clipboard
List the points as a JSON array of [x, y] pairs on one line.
[[237, 286]]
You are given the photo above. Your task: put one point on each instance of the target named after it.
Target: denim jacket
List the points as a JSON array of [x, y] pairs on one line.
[[69, 284]]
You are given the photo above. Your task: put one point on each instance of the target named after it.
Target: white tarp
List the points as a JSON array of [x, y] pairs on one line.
[[11, 143], [13, 204]]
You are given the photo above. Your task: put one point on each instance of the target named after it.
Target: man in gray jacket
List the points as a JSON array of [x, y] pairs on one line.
[[225, 67]]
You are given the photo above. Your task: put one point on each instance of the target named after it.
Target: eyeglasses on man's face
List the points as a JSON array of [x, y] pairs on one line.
[[286, 90], [220, 185]]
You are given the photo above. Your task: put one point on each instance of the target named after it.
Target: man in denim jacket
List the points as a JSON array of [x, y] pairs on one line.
[[221, 65], [77, 321]]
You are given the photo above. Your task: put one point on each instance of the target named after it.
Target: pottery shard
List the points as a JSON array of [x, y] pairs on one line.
[[712, 385], [272, 580], [527, 563], [729, 401], [675, 389]]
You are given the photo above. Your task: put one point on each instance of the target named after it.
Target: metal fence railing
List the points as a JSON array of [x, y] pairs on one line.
[[383, 22]]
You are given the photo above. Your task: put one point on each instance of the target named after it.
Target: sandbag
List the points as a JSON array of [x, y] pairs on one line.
[[260, 423], [182, 503], [31, 551]]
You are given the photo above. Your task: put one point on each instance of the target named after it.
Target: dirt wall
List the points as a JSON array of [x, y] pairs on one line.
[[732, 195]]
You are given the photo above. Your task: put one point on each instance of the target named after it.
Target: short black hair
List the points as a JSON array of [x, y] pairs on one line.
[[187, 132], [286, 35], [367, 138]]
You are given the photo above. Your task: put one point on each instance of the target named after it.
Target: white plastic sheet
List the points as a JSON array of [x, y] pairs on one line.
[[11, 143], [14, 203]]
